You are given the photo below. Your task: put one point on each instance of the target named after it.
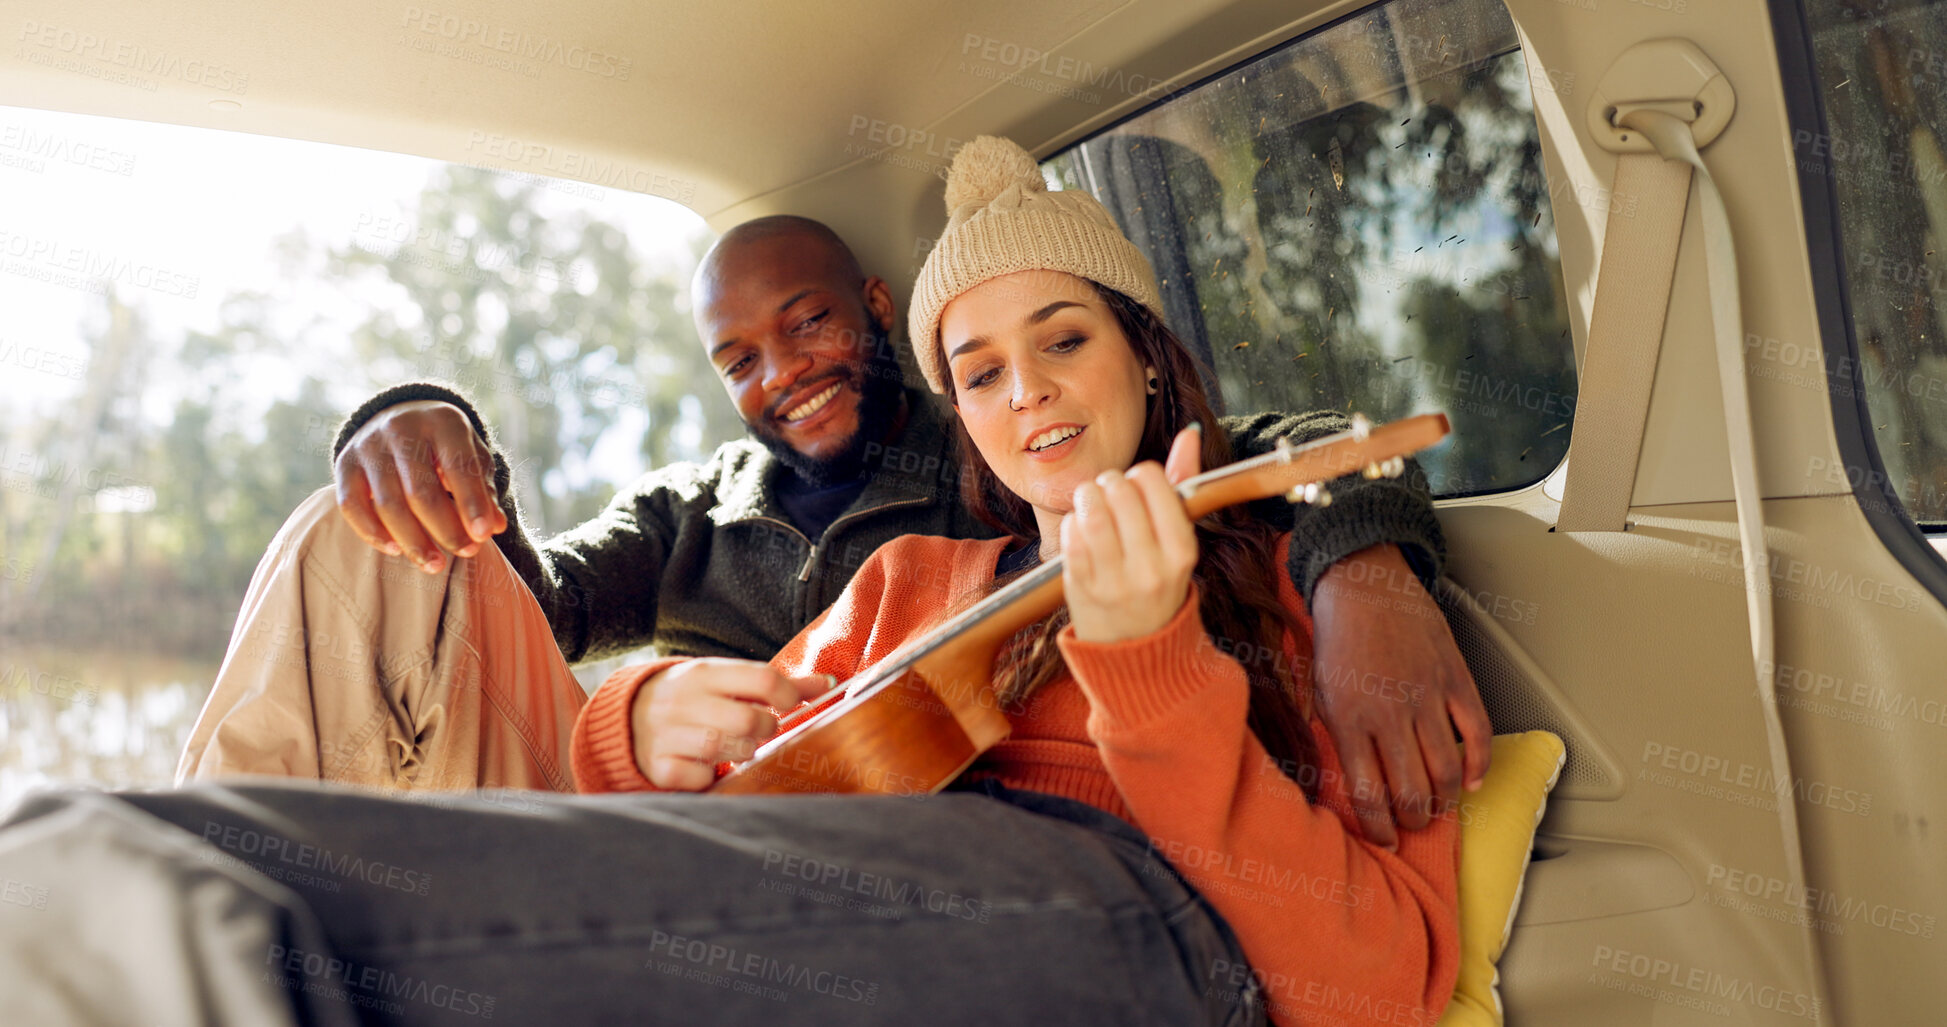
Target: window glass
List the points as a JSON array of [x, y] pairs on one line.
[[190, 314], [1359, 220], [1881, 71]]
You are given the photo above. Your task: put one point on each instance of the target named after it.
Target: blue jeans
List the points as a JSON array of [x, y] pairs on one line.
[[318, 904]]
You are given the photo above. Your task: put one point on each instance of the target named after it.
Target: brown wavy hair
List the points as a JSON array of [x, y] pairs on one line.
[[1237, 570]]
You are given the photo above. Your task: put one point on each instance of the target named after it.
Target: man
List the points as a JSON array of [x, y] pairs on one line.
[[449, 681]]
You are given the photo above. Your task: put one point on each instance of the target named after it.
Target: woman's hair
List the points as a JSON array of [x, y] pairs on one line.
[[1236, 574]]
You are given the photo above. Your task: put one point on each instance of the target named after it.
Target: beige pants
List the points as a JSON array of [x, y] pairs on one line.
[[350, 665]]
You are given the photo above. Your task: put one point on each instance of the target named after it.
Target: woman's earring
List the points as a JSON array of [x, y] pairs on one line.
[[1153, 384]]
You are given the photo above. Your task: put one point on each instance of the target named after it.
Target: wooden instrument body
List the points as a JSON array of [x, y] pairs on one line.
[[910, 737], [915, 729]]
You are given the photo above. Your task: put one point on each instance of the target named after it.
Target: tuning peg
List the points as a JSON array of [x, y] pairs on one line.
[[1313, 493], [1286, 451], [1360, 427], [1391, 468]]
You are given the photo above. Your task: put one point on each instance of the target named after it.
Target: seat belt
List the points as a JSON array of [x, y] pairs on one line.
[[1599, 498], [1632, 300]]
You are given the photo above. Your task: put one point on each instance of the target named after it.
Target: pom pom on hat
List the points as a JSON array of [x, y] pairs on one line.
[[985, 168]]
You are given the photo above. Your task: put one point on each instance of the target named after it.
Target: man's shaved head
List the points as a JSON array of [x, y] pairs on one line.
[[799, 337], [752, 237]]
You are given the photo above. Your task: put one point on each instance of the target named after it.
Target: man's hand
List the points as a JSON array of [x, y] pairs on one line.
[[416, 480], [1392, 688], [701, 712]]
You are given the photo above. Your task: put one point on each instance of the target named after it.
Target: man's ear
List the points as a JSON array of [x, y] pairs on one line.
[[878, 302]]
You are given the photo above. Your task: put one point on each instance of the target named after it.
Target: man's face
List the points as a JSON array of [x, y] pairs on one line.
[[802, 351]]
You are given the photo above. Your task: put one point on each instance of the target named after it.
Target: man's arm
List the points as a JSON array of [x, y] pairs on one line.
[[1364, 512], [596, 583], [1392, 686]]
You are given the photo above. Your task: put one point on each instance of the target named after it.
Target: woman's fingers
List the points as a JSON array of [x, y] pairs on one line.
[[702, 744], [1186, 455], [1090, 540], [1175, 536], [744, 679], [1127, 518], [680, 774], [729, 718], [1130, 549], [703, 712]]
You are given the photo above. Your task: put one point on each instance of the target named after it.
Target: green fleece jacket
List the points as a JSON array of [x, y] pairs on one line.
[[701, 560]]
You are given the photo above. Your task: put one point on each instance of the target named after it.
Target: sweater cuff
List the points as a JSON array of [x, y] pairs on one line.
[[1137, 680], [405, 394], [602, 749], [1376, 513]]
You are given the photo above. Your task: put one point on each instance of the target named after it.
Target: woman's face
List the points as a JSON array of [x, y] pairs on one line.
[[1050, 389]]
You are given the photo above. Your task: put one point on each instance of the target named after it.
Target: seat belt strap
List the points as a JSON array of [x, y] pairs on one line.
[[1632, 301], [1673, 141]]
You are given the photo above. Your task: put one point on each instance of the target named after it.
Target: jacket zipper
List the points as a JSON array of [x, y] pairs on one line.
[[804, 573]]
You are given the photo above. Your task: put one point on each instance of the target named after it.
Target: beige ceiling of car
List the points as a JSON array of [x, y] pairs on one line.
[[713, 104]]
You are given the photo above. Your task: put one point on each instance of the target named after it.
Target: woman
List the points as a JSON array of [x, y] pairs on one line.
[[1040, 321]]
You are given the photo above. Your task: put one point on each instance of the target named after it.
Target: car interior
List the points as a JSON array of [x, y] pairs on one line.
[[1391, 208]]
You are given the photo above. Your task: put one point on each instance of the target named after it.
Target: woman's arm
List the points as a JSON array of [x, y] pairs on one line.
[[1320, 911], [1331, 922], [616, 738]]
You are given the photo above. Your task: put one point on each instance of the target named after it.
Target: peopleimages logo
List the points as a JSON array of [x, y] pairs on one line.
[[121, 53], [1700, 982], [360, 984], [1015, 60], [28, 255], [755, 968], [571, 164], [64, 150], [1822, 901], [1704, 774], [242, 840], [524, 45]]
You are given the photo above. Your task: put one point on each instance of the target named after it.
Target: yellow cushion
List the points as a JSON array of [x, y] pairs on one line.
[[1497, 830]]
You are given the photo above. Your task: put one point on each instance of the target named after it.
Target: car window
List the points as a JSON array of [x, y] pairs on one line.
[[1360, 221], [191, 313], [1881, 72]]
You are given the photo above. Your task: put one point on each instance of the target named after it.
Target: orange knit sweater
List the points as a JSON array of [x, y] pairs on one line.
[[1153, 730]]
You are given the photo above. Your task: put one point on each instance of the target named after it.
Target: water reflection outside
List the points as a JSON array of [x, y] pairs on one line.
[[97, 718]]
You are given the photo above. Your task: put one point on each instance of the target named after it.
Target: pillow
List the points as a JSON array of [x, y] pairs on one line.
[[1497, 832]]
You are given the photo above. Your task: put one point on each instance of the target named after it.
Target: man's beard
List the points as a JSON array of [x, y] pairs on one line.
[[878, 391]]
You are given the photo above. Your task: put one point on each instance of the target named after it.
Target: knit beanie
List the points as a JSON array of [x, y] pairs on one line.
[[1001, 219]]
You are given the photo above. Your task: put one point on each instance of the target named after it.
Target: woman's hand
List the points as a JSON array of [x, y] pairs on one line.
[[1130, 548], [701, 712]]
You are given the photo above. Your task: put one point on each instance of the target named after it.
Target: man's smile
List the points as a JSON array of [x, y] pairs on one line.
[[813, 405]]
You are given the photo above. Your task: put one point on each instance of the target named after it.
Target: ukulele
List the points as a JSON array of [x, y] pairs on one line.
[[912, 722]]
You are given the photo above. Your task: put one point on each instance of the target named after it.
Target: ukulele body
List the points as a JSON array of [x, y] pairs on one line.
[[912, 736]]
